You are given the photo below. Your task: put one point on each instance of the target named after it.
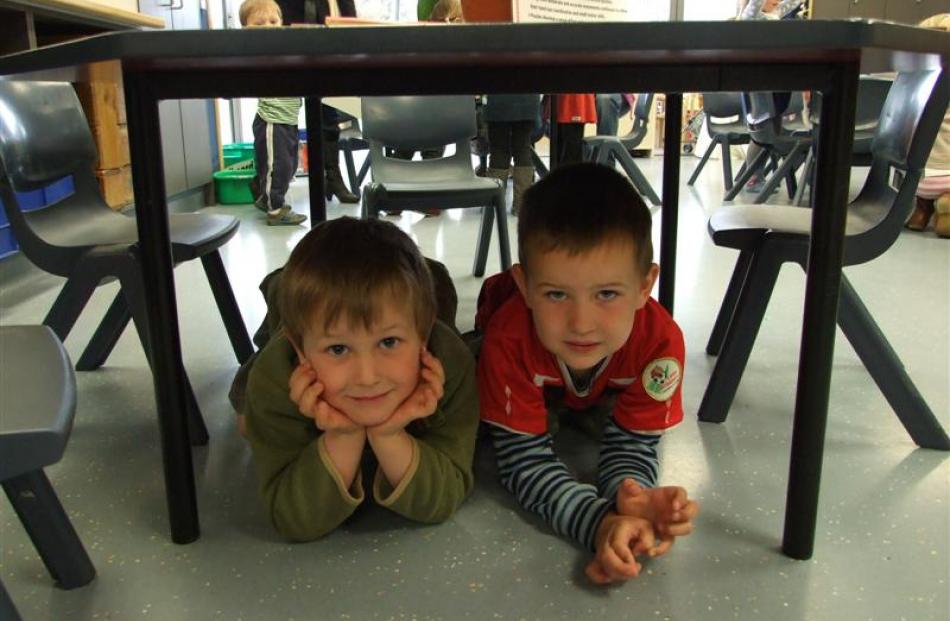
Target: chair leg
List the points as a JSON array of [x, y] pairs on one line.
[[538, 163], [69, 303], [227, 306], [484, 240], [749, 169], [48, 526], [361, 176], [133, 289], [501, 218], [726, 165], [728, 307], [106, 336], [740, 337], [702, 161], [7, 608], [888, 372], [808, 170], [350, 165], [636, 175], [785, 167]]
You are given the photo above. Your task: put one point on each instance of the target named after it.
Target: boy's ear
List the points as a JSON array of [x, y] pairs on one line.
[[649, 280], [517, 273]]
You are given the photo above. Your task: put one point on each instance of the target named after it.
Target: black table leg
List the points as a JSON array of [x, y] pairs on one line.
[[821, 310], [553, 153], [318, 202], [151, 210], [671, 197]]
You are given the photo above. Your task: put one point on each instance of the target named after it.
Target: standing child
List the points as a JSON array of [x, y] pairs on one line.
[[572, 326], [275, 131], [359, 365]]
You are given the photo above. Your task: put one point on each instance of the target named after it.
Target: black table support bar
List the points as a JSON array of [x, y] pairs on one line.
[[669, 217]]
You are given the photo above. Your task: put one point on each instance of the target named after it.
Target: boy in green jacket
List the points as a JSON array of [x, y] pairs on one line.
[[360, 365]]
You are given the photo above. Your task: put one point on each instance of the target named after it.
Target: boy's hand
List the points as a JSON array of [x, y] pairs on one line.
[[619, 540], [668, 509], [305, 391], [421, 402]]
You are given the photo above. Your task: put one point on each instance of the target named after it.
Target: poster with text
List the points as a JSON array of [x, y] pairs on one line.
[[590, 10]]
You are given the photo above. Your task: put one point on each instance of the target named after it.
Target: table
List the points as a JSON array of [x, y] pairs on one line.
[[669, 57]]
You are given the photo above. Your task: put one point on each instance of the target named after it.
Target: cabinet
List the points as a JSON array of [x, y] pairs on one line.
[[903, 11], [188, 151]]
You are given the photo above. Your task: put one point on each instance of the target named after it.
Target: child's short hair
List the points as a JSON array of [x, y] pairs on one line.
[[344, 268], [446, 10], [249, 7], [578, 207]]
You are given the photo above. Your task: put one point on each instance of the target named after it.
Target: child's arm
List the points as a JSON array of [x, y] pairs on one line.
[[439, 476], [305, 494]]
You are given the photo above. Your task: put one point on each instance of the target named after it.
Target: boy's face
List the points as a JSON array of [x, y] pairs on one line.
[[267, 17], [366, 373], [583, 305]]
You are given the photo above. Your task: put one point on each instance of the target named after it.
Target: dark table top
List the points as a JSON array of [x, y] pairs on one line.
[[666, 56]]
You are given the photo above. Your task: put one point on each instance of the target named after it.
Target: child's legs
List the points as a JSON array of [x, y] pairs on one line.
[[521, 142], [275, 148], [499, 144], [570, 137]]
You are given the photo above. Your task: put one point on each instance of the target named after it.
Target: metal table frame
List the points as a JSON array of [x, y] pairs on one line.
[[670, 57]]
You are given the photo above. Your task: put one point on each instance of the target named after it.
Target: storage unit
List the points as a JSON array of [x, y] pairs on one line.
[[904, 11]]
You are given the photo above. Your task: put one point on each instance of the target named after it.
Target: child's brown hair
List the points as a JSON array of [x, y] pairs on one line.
[[249, 7], [345, 268], [576, 208]]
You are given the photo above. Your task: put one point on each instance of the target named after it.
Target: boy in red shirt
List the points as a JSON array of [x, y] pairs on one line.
[[573, 325]]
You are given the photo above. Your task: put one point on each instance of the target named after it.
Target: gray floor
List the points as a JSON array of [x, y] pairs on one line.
[[884, 521]]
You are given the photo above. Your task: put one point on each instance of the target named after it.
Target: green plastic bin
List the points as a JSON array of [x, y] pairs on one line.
[[237, 152], [233, 187]]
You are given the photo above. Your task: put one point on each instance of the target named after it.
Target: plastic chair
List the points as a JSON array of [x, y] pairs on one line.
[[725, 134], [785, 144], [415, 123], [607, 149], [768, 236], [43, 138], [872, 92], [38, 402], [351, 139]]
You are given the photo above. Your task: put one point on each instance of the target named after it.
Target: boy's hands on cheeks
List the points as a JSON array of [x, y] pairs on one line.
[[619, 540], [668, 509], [305, 391], [421, 402]]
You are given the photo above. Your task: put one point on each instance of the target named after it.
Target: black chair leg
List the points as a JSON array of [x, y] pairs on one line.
[[132, 288], [729, 300], [805, 181], [107, 335], [726, 165], [364, 170], [501, 218], [227, 306], [347, 149], [785, 168], [7, 608], [749, 169], [888, 373], [633, 171], [740, 337], [539, 165], [49, 528], [702, 161], [69, 303], [484, 240]]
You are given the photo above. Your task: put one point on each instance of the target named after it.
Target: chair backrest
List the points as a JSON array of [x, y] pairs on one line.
[[418, 122], [872, 92], [641, 121], [721, 105], [910, 119], [43, 133], [44, 137]]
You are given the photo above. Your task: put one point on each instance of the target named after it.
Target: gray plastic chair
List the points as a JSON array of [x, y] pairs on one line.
[[724, 134], [351, 139], [768, 236], [785, 144], [37, 405], [415, 123], [607, 149], [44, 137]]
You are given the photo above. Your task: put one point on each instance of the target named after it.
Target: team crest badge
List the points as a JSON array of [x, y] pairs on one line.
[[661, 377]]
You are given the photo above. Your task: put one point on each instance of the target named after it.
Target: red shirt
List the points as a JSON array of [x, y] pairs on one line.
[[514, 368]]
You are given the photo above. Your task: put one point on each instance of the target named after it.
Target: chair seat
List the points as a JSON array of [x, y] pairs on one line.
[[450, 186], [737, 132], [38, 392]]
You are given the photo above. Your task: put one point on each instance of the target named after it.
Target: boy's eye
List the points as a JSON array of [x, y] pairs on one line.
[[337, 350], [555, 295], [605, 295], [390, 342]]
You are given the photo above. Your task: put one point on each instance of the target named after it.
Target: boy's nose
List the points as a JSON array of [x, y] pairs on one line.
[[366, 370], [580, 319]]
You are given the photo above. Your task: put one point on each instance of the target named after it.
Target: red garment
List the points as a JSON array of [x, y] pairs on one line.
[[514, 367], [574, 108]]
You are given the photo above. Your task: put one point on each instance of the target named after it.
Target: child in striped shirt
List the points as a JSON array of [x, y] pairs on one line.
[[573, 327], [275, 131]]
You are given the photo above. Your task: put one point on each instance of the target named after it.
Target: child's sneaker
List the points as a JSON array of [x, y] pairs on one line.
[[261, 203], [284, 216]]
